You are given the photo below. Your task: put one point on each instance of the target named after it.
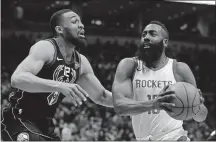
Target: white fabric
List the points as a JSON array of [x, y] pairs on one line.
[[155, 124]]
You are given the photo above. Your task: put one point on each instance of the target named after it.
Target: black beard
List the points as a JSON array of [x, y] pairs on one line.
[[80, 43], [150, 54]]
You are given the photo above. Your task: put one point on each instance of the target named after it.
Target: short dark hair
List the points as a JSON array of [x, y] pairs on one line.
[[55, 18], [162, 25]]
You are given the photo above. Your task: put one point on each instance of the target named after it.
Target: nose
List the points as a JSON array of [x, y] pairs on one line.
[[146, 38], [81, 25]]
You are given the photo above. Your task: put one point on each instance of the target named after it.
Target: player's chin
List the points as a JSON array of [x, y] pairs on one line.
[[82, 42]]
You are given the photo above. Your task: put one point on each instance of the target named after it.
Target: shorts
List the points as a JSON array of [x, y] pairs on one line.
[[18, 129]]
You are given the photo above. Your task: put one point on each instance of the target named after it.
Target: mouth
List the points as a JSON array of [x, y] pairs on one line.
[[81, 34], [146, 46]]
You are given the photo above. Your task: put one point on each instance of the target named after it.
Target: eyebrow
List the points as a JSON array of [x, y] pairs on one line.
[[73, 16], [149, 31]]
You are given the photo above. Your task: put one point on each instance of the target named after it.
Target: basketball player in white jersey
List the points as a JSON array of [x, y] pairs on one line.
[[139, 88]]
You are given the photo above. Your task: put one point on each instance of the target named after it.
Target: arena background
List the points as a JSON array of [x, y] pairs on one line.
[[113, 30]]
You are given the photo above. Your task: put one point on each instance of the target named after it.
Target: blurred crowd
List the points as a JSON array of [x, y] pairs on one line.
[[93, 122]]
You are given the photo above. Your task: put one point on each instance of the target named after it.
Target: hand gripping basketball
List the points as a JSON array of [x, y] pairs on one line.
[[201, 96], [164, 99], [188, 102]]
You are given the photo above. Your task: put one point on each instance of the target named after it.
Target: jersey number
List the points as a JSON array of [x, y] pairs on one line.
[[153, 111]]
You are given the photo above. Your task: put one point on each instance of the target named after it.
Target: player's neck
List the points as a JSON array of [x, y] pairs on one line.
[[159, 63], [67, 49]]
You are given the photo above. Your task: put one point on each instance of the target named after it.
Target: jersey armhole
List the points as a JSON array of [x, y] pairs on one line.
[[174, 70], [79, 64], [135, 59], [55, 53]]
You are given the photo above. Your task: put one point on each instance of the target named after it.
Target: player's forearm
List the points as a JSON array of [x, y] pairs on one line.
[[106, 99], [128, 107], [31, 83]]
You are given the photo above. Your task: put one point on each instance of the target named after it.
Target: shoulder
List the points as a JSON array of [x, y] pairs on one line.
[[84, 61], [182, 68], [127, 66], [43, 49], [184, 73], [83, 58], [127, 62], [85, 65], [43, 46]]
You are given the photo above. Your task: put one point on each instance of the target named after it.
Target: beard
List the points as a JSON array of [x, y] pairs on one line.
[[150, 54], [80, 43]]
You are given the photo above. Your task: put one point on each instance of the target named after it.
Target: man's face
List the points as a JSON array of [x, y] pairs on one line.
[[152, 42], [73, 29]]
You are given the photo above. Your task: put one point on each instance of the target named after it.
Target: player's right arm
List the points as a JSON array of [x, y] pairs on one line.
[[24, 77], [122, 92]]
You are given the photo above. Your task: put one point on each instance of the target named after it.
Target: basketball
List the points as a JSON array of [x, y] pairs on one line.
[[187, 101]]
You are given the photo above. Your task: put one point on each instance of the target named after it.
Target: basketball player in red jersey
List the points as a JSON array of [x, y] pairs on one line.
[[138, 83], [52, 70]]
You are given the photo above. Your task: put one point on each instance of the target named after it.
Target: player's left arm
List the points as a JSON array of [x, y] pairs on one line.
[[89, 82], [184, 74]]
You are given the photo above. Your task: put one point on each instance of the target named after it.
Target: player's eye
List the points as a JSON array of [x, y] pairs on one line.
[[144, 34], [74, 21], [153, 34]]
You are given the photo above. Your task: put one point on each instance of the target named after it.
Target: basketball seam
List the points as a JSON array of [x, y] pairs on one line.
[[185, 107], [193, 102], [179, 107], [188, 107], [194, 99], [187, 100]]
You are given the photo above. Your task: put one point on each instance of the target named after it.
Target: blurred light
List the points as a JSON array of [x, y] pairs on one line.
[[210, 2], [85, 4], [15, 2], [19, 12], [132, 25], [52, 5], [47, 8], [194, 8], [66, 2], [115, 10], [182, 13], [194, 30], [121, 7], [148, 9], [169, 17], [176, 16], [130, 2], [98, 22], [109, 12], [183, 27], [57, 2], [213, 133], [117, 23], [92, 22], [158, 5]]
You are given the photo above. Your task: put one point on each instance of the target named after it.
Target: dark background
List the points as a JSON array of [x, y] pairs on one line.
[[113, 30]]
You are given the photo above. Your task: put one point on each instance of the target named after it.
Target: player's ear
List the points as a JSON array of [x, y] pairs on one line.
[[59, 29], [165, 42]]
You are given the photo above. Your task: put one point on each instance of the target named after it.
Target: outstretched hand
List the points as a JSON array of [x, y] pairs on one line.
[[75, 92]]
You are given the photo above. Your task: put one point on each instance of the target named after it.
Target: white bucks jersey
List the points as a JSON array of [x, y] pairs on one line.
[[147, 83]]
